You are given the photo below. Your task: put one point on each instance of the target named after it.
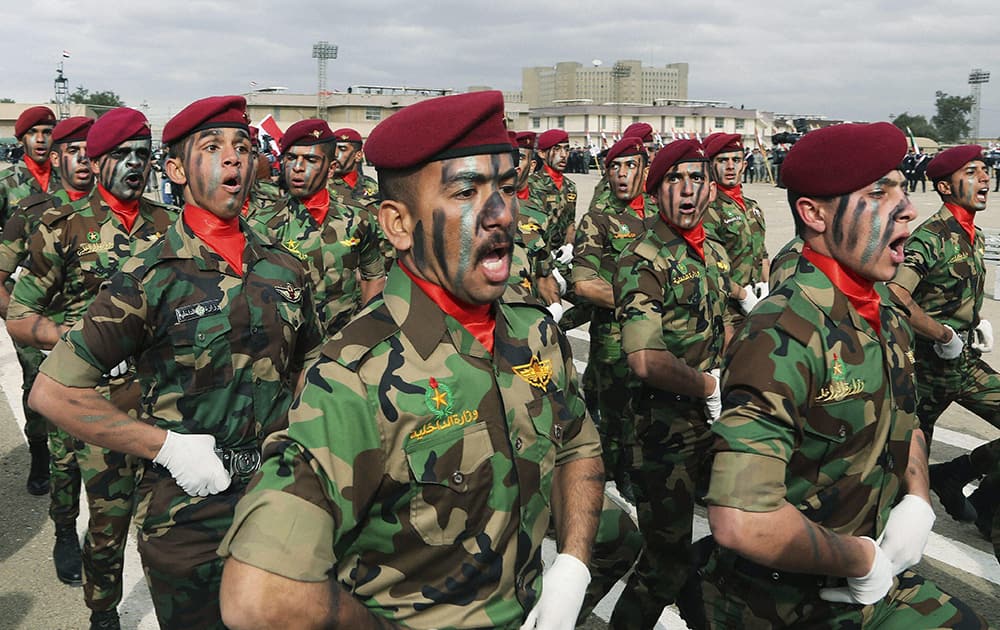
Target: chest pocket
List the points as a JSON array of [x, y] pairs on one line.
[[548, 416], [202, 346], [96, 268], [685, 284], [453, 478]]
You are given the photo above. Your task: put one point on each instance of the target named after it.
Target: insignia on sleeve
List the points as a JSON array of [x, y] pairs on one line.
[[289, 292], [350, 242], [537, 373], [195, 311], [528, 228]]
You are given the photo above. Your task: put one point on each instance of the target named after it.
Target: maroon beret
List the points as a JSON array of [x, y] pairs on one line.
[[38, 115], [721, 142], [438, 129], [207, 113], [641, 130], [307, 133], [676, 152], [550, 138], [950, 160], [526, 139], [512, 138], [841, 159], [347, 135], [629, 145], [115, 127], [72, 129]]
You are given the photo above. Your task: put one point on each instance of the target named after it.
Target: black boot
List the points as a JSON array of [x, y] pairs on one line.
[[66, 555], [947, 481], [104, 620], [38, 475], [985, 499]]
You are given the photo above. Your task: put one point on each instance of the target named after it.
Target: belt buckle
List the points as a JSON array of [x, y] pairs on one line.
[[244, 462]]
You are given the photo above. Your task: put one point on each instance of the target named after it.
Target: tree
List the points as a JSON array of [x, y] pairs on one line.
[[7, 100], [952, 117], [918, 124], [106, 98]]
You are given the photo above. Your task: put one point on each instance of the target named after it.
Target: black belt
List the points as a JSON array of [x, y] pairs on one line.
[[800, 580], [239, 462]]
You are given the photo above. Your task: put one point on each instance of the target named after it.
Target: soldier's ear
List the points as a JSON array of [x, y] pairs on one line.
[[812, 213], [943, 187], [174, 169], [54, 159], [396, 221]]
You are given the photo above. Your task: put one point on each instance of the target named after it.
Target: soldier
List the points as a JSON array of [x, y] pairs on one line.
[[264, 194], [602, 190], [69, 157], [334, 242], [941, 283], [348, 184], [670, 290], [818, 441], [437, 431], [218, 323], [736, 223], [76, 248], [552, 201]]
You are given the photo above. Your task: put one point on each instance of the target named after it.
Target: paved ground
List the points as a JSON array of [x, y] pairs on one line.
[[32, 598]]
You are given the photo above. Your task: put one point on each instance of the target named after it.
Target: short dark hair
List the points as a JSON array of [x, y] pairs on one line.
[[398, 184], [793, 198]]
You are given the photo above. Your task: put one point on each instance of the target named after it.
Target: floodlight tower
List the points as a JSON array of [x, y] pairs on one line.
[[619, 71], [62, 93], [322, 51], [976, 79]]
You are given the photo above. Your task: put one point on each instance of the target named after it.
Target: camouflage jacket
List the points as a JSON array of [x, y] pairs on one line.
[[741, 234], [668, 298], [332, 254], [264, 196], [16, 183], [944, 272], [818, 409], [214, 352], [602, 192], [603, 233], [784, 262], [77, 247], [520, 283], [364, 193], [24, 220], [555, 208], [417, 467], [530, 238]]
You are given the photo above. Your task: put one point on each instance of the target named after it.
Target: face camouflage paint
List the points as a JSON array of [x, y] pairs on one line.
[[557, 156], [123, 170], [625, 175], [685, 193], [306, 169], [345, 158], [727, 168], [73, 165], [218, 165], [37, 143]]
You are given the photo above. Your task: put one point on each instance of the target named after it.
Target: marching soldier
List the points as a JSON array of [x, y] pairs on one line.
[[348, 184]]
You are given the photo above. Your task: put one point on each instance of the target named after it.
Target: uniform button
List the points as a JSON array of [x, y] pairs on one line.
[[458, 477], [518, 444], [201, 336], [254, 330], [889, 461], [775, 576], [520, 581], [843, 431]]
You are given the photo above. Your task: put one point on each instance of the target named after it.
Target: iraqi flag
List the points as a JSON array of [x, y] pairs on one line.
[[913, 140], [271, 128]]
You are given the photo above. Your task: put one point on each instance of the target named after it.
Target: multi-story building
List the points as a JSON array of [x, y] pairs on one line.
[[626, 81]]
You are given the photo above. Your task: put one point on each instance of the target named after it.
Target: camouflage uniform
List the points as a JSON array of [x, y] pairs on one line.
[[741, 233], [264, 196], [417, 467], [76, 248], [606, 229], [364, 193], [784, 262], [554, 207], [810, 393], [668, 298], [332, 254], [17, 182], [215, 353]]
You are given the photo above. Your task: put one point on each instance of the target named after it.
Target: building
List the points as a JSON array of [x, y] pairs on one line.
[[625, 81], [10, 111]]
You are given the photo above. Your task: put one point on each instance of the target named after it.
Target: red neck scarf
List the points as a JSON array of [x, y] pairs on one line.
[[76, 195], [639, 205], [223, 236], [478, 320], [859, 291], [41, 172], [523, 193], [736, 194], [318, 204], [126, 211], [351, 179], [246, 206], [695, 237], [556, 176], [965, 218]]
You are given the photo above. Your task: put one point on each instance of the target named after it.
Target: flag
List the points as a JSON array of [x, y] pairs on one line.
[[253, 84], [589, 143], [913, 140], [271, 128], [65, 54]]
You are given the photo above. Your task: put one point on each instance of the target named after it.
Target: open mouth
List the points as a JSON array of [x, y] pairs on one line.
[[133, 180], [495, 263], [232, 185], [982, 193], [897, 248]]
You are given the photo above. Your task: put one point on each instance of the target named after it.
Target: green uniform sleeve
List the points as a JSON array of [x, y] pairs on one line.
[[639, 303]]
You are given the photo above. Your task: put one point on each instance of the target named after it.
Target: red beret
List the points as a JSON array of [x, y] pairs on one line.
[[72, 129], [950, 160], [347, 135], [526, 139], [207, 113], [721, 142], [512, 138], [629, 145], [307, 133], [676, 152], [641, 130], [438, 129], [550, 138], [115, 127], [38, 115], [841, 159]]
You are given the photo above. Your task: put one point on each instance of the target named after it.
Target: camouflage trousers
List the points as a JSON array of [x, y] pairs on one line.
[[616, 548], [36, 427], [734, 599], [674, 439], [178, 538], [110, 479], [609, 398], [64, 479]]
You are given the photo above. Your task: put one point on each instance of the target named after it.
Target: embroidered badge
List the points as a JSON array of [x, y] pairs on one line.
[[528, 228], [289, 292], [910, 356], [350, 242], [839, 388], [623, 232], [93, 236], [316, 133], [292, 246], [438, 398], [195, 311], [537, 373], [155, 236], [525, 283], [570, 196]]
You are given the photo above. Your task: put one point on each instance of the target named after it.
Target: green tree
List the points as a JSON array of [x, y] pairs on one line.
[[106, 98], [918, 124], [7, 100], [952, 117]]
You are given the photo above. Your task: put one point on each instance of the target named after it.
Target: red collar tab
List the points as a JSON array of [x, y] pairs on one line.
[[965, 218], [76, 195], [126, 211], [41, 172], [556, 176], [695, 237], [477, 319], [524, 193], [318, 204], [639, 205], [860, 291], [351, 179], [223, 236], [736, 194]]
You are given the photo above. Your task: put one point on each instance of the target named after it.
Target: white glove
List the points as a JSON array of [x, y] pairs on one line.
[[762, 289], [119, 370], [747, 303], [864, 590], [556, 310], [564, 254], [563, 588], [905, 534], [984, 336], [952, 348], [193, 464], [559, 281], [713, 404]]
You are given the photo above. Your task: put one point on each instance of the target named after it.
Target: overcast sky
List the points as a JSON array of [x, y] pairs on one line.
[[842, 59]]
